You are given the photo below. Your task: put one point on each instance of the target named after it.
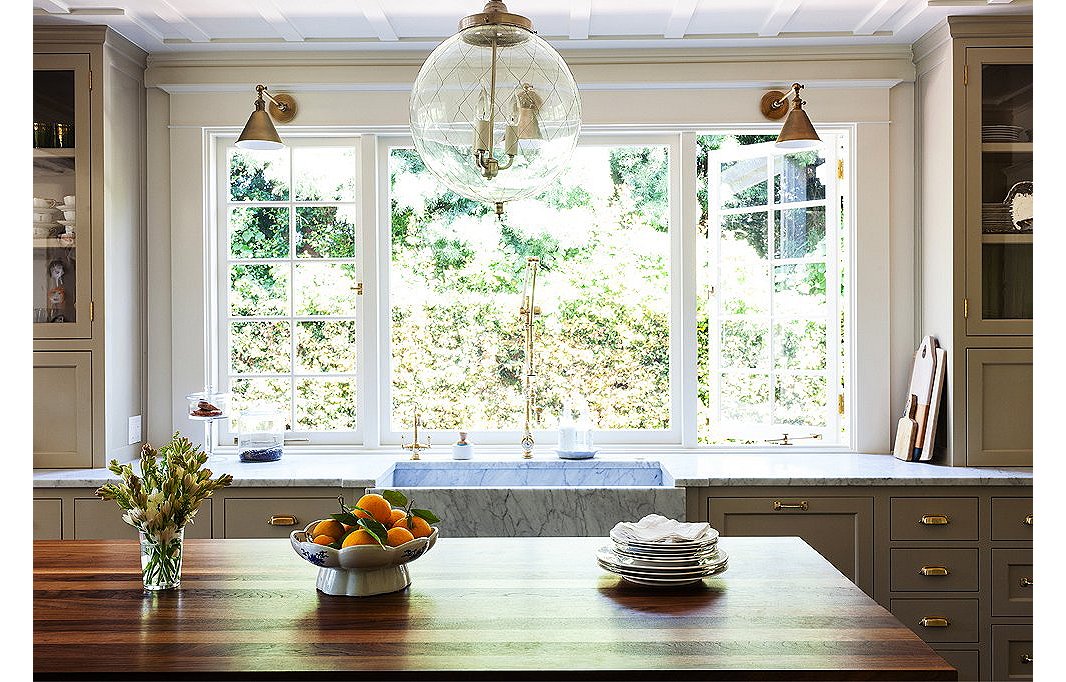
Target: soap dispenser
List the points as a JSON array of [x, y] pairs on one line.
[[462, 449]]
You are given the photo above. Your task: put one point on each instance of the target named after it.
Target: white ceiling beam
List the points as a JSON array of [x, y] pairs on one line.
[[52, 6], [273, 16], [877, 17], [911, 11], [580, 19], [779, 16], [179, 22], [680, 18], [147, 25], [378, 21]]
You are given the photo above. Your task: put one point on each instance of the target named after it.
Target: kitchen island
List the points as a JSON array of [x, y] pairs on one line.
[[477, 609]]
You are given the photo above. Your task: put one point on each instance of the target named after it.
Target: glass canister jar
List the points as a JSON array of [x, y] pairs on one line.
[[260, 435]]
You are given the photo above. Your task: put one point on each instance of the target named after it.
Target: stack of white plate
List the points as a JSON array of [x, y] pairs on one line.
[[663, 564], [1000, 133], [43, 220]]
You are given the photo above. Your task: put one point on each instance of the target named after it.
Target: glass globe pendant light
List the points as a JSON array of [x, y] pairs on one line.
[[495, 111]]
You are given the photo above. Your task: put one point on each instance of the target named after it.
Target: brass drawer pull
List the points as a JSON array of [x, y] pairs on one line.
[[934, 622], [1027, 659], [934, 570], [280, 520], [934, 520], [1026, 582], [779, 506], [1028, 520]]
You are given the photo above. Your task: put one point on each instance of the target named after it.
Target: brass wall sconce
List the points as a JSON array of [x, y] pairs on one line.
[[259, 132], [797, 132]]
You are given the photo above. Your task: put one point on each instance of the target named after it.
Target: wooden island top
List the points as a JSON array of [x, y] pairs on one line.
[[477, 609]]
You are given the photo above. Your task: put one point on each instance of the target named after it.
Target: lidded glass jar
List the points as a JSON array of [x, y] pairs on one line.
[[260, 434], [208, 405]]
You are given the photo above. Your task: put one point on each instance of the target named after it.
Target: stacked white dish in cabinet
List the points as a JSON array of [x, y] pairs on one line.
[[663, 552]]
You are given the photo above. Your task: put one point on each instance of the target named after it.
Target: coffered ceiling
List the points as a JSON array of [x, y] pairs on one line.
[[167, 26]]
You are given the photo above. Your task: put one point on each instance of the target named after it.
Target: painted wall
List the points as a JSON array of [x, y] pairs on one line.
[[868, 88]]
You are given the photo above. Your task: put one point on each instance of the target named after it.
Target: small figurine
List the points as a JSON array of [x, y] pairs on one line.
[[57, 295]]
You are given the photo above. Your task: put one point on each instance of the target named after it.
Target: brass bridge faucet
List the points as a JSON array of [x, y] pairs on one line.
[[416, 447]]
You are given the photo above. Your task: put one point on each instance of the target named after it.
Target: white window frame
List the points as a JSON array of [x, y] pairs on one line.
[[548, 437], [373, 246], [219, 292]]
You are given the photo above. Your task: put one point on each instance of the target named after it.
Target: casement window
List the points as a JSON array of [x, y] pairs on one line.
[[693, 291]]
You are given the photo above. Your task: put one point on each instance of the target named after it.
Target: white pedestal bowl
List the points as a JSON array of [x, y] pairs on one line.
[[360, 570]]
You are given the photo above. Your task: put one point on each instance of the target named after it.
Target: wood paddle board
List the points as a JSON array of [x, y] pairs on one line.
[[906, 431], [921, 386]]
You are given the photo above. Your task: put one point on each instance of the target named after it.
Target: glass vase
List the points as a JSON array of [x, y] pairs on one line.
[[161, 558]]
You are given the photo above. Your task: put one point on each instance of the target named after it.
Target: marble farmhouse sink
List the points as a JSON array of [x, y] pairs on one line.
[[538, 497]]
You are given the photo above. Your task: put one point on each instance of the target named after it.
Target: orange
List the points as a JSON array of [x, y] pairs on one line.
[[378, 507], [329, 527], [397, 514], [323, 540], [359, 537], [418, 526], [398, 536]]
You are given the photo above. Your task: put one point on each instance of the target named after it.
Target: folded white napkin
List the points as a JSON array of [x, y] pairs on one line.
[[656, 528]]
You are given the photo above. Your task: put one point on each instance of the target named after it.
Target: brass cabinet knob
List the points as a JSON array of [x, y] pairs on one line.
[[1027, 659], [282, 520], [778, 505], [933, 570], [934, 622], [1026, 582], [934, 520], [1028, 520]]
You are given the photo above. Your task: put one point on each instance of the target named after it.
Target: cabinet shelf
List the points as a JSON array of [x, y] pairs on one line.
[[54, 152], [52, 243], [1007, 238], [1007, 147]]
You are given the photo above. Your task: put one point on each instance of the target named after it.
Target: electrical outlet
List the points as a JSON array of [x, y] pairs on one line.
[[135, 429]]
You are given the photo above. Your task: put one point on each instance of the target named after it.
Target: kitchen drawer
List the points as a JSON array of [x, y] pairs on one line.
[[1012, 518], [934, 569], [1012, 582], [968, 663], [934, 518], [48, 519], [945, 620], [96, 519], [1012, 652], [839, 528], [274, 517]]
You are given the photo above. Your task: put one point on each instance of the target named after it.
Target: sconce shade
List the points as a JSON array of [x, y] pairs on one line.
[[259, 132], [798, 132]]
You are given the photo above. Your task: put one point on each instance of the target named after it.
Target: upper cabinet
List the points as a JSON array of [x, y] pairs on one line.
[[974, 148], [999, 190], [89, 245]]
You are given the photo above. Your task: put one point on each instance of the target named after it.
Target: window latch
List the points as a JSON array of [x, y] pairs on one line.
[[358, 289]]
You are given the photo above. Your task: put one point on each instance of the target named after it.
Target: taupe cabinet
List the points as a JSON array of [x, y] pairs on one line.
[[953, 563], [974, 150], [89, 370]]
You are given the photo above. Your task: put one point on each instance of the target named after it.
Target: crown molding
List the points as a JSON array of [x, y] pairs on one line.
[[994, 26]]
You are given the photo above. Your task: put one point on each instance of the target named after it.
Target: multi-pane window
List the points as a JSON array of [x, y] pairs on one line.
[[624, 258], [289, 314], [772, 292], [603, 235]]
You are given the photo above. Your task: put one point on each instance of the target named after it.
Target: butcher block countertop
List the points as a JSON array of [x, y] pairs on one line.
[[477, 609]]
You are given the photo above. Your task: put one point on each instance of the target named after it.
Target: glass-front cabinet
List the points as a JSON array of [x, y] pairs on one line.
[[999, 196], [61, 210]]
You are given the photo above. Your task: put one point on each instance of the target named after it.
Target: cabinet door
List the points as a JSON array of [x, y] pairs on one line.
[[61, 158], [48, 519], [999, 407], [62, 410], [97, 519], [840, 528], [999, 175]]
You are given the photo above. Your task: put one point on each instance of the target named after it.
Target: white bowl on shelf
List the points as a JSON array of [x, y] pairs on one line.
[[40, 216], [69, 200], [41, 202], [70, 214]]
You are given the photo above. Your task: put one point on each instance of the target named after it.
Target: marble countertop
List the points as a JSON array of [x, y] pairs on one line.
[[693, 469]]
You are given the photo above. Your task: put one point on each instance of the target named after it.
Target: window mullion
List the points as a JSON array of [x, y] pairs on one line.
[[771, 250]]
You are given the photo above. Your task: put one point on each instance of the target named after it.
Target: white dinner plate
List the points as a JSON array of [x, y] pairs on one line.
[[663, 554], [606, 556], [666, 560]]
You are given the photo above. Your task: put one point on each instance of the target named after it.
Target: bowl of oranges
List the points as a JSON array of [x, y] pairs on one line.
[[363, 550]]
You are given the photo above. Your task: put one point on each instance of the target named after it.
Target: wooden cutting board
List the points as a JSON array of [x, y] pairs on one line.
[[925, 446], [921, 386], [906, 431]]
